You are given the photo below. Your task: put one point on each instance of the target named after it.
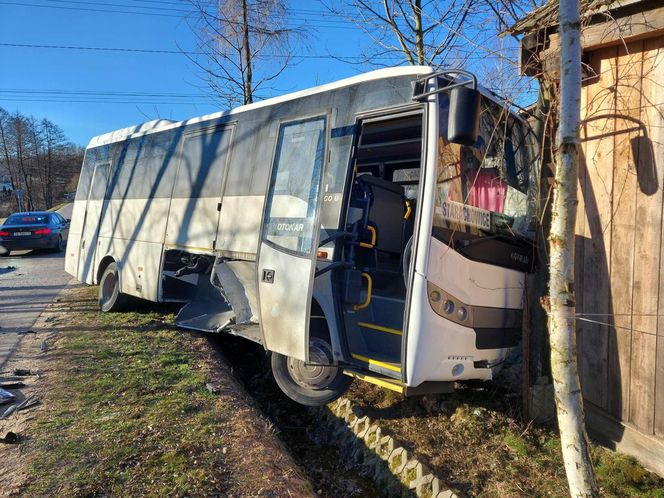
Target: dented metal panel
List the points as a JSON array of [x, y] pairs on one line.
[[237, 281]]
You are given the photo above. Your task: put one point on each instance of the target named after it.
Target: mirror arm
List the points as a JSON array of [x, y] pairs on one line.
[[472, 80]]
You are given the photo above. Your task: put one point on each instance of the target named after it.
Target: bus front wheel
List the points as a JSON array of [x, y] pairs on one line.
[[314, 383], [110, 297]]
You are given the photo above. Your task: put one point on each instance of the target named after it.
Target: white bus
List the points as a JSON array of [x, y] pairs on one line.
[[377, 227]]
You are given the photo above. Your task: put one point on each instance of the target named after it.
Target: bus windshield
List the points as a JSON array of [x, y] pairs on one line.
[[483, 189]]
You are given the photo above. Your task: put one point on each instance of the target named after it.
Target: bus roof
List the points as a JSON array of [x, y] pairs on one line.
[[166, 124]]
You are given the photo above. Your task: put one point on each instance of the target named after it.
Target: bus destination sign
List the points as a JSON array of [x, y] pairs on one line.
[[463, 213]]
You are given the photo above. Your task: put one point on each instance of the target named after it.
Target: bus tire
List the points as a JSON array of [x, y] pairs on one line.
[[110, 297], [306, 384]]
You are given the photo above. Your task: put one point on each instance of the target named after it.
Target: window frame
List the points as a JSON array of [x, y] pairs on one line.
[[269, 193]]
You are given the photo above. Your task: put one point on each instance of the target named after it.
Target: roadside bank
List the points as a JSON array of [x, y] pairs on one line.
[[129, 405]]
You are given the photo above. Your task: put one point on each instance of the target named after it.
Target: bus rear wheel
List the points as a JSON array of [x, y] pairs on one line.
[[110, 297], [313, 383]]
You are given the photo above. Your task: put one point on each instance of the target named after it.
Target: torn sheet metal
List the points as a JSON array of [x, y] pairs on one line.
[[6, 396], [237, 281], [208, 311]]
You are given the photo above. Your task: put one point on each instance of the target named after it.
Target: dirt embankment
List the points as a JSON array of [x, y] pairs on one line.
[[131, 406]]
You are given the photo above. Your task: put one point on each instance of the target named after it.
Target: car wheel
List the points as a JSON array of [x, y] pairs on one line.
[[110, 297], [60, 245], [5, 253], [310, 384]]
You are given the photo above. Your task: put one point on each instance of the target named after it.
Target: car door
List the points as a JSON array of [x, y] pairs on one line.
[[63, 225], [289, 236]]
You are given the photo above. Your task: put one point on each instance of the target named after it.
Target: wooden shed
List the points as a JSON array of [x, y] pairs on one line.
[[619, 228]]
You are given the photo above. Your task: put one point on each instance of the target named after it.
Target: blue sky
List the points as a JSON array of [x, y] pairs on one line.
[[152, 24]]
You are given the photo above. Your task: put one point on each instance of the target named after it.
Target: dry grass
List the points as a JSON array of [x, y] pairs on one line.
[[474, 442]]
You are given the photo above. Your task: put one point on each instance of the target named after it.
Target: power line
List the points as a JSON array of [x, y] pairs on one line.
[[13, 92], [155, 13], [187, 10], [103, 49], [191, 52], [104, 101]]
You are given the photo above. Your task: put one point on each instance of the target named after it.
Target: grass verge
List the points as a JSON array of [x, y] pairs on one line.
[[134, 407]]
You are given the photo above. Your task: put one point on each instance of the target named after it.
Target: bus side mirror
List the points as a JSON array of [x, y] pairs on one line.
[[463, 120]]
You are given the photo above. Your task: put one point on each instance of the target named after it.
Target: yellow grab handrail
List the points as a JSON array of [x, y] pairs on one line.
[[373, 238], [367, 301], [408, 210]]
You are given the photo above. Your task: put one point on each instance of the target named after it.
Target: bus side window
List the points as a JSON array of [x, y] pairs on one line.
[[294, 186], [203, 164]]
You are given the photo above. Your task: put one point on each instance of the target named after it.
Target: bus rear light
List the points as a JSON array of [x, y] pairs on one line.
[[42, 231]]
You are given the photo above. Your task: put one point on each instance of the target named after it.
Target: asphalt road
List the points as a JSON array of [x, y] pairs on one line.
[[29, 280]]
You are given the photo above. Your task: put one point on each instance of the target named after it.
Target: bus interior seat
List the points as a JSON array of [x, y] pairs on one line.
[[386, 212], [382, 205]]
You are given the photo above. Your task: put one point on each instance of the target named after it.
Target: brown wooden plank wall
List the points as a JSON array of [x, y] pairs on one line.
[[619, 234]]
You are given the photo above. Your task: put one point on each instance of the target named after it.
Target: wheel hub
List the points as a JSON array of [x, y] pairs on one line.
[[108, 287], [314, 374]]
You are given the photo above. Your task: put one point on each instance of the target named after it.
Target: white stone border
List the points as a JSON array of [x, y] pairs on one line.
[[381, 456]]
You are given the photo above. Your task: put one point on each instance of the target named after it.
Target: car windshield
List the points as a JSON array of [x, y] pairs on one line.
[[27, 219]]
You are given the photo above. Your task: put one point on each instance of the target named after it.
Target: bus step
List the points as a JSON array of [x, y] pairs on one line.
[[380, 365], [400, 387], [386, 382]]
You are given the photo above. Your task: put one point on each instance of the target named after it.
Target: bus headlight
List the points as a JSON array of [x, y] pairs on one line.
[[462, 313], [448, 307]]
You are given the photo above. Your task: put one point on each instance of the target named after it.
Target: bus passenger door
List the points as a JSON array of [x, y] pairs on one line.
[[289, 237], [95, 210]]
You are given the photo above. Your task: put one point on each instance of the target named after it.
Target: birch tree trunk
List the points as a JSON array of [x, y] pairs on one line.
[[562, 331]]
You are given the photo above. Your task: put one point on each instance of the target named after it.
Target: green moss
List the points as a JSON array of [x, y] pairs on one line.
[[409, 476], [395, 463], [621, 475], [517, 444]]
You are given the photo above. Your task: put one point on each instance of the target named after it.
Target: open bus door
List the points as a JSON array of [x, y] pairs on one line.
[[289, 237], [302, 366]]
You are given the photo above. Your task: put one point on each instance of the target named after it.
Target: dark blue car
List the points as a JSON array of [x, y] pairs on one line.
[[33, 230]]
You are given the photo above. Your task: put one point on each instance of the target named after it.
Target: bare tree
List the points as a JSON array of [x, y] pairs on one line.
[[449, 33], [6, 144], [431, 32], [562, 305], [38, 159], [19, 127], [247, 45], [54, 146]]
